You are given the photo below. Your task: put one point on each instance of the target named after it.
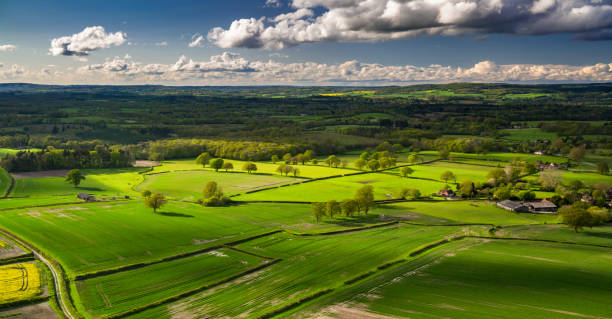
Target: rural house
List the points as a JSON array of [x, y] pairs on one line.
[[448, 193], [86, 197]]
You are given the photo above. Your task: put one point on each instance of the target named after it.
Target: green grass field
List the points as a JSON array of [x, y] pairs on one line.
[[493, 158], [528, 134], [488, 279], [309, 265], [308, 171], [135, 288], [99, 232], [475, 173], [186, 247], [386, 186], [188, 185], [478, 212]]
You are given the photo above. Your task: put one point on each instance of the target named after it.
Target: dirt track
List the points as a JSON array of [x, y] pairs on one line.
[[54, 173]]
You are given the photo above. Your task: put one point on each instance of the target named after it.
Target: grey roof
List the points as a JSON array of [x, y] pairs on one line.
[[542, 204], [511, 204], [84, 196]]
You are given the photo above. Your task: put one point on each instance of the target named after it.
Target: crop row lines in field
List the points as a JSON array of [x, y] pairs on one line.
[[110, 271], [63, 204], [133, 311], [58, 274]]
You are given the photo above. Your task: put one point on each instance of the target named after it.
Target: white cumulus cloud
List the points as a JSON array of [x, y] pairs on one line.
[[86, 41], [7, 48], [197, 40], [375, 20]]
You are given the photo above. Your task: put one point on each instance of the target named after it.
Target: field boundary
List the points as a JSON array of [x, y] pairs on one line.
[[134, 266], [193, 291], [20, 303], [10, 187], [18, 259]]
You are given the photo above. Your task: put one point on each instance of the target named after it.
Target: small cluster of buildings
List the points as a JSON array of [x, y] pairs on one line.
[[535, 207]]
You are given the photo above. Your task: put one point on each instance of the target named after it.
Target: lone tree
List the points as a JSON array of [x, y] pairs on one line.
[[498, 175], [318, 210], [602, 168], [333, 160], [210, 189], [217, 164], [575, 216], [405, 171], [155, 201], [274, 159], [364, 198], [359, 163], [373, 164], [448, 175], [74, 177], [414, 158], [467, 188], [249, 167], [409, 193], [577, 153], [227, 166], [146, 193], [203, 159]]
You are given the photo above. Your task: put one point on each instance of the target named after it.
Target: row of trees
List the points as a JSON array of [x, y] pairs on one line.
[[581, 214], [49, 159], [361, 202]]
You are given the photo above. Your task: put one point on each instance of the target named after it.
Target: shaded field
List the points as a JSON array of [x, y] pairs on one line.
[[5, 182], [467, 212], [507, 279], [38, 311], [309, 171], [601, 235], [492, 158], [189, 184], [309, 264], [386, 186], [528, 134], [102, 182], [135, 288]]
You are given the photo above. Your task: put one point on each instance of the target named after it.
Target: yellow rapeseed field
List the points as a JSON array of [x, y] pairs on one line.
[[19, 282]]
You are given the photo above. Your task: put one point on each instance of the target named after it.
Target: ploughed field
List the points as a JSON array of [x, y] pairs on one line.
[[266, 256]]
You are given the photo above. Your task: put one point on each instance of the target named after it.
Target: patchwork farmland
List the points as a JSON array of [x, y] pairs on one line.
[[265, 255]]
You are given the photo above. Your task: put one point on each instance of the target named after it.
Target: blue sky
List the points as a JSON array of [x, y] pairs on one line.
[[413, 41]]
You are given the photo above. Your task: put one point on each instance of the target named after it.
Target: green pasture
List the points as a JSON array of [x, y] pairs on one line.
[[528, 134], [17, 202], [478, 212], [189, 184], [475, 173], [135, 288], [497, 279], [6, 151], [585, 177], [102, 182], [307, 171], [309, 264], [492, 158], [601, 235], [386, 186], [90, 237]]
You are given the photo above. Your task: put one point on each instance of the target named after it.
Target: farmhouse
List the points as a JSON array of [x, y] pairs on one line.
[[86, 197], [541, 207], [446, 193]]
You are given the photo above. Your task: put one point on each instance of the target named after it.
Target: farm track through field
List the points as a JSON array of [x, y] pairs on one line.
[[10, 188], [61, 292]]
